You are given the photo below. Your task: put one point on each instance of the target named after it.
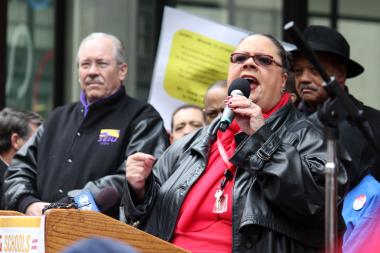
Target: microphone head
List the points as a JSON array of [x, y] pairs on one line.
[[242, 85], [107, 198], [65, 203]]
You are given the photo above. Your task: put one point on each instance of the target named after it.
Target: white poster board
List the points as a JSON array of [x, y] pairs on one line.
[[22, 234], [193, 53]]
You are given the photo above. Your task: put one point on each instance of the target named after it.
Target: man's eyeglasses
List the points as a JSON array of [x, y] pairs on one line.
[[260, 59]]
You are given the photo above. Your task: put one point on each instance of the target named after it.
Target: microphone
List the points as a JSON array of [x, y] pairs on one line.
[[107, 198], [86, 201], [239, 86], [101, 202]]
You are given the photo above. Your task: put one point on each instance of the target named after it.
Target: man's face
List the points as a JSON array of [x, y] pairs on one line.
[[186, 121], [309, 82], [21, 141], [33, 128], [99, 73], [266, 81], [214, 103]]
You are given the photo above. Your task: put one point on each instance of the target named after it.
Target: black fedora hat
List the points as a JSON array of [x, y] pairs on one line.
[[328, 40]]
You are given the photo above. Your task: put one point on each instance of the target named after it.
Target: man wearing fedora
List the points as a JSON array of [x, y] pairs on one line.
[[333, 52]]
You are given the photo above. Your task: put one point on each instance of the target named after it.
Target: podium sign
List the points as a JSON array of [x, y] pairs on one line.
[[22, 234], [63, 227]]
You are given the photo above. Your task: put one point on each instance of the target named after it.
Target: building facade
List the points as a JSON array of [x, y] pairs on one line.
[[39, 39]]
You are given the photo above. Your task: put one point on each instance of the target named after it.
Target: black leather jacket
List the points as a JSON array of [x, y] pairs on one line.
[[75, 151], [352, 139], [278, 203]]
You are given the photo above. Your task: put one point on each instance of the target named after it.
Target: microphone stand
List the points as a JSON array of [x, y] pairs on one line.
[[332, 112]]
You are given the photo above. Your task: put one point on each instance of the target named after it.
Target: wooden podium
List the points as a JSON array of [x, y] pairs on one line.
[[65, 226]]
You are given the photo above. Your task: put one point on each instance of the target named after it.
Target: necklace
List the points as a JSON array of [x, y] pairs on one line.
[[2, 159]]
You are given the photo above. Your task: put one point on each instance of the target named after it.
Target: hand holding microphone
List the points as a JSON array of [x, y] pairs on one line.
[[248, 114], [239, 87]]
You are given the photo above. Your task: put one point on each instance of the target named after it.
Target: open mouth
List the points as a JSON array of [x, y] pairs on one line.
[[251, 80]]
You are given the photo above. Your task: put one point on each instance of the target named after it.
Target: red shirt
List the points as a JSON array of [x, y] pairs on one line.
[[198, 228]]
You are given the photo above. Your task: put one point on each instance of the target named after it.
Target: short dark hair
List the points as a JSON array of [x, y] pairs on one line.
[[218, 84], [16, 121], [284, 55], [186, 106]]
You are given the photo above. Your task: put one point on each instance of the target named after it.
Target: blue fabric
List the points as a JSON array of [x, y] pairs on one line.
[[99, 245], [363, 225], [86, 105]]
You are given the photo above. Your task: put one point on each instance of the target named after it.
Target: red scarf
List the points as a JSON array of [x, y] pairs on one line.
[[284, 99], [198, 229]]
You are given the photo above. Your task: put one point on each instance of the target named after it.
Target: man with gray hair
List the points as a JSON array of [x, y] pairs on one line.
[[83, 145]]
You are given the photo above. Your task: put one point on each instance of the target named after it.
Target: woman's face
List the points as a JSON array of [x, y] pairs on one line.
[[266, 81]]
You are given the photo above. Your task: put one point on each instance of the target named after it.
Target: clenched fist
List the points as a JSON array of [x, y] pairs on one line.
[[138, 168]]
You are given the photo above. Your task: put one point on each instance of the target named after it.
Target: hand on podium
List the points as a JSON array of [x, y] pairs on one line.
[[35, 208]]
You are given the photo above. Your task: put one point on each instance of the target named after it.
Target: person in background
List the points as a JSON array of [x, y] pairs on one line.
[[361, 210], [214, 100], [256, 187], [83, 145], [16, 127], [99, 245], [290, 87], [361, 213], [333, 52], [186, 119]]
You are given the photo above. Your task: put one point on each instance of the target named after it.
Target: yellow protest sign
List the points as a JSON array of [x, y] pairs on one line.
[[195, 62]]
